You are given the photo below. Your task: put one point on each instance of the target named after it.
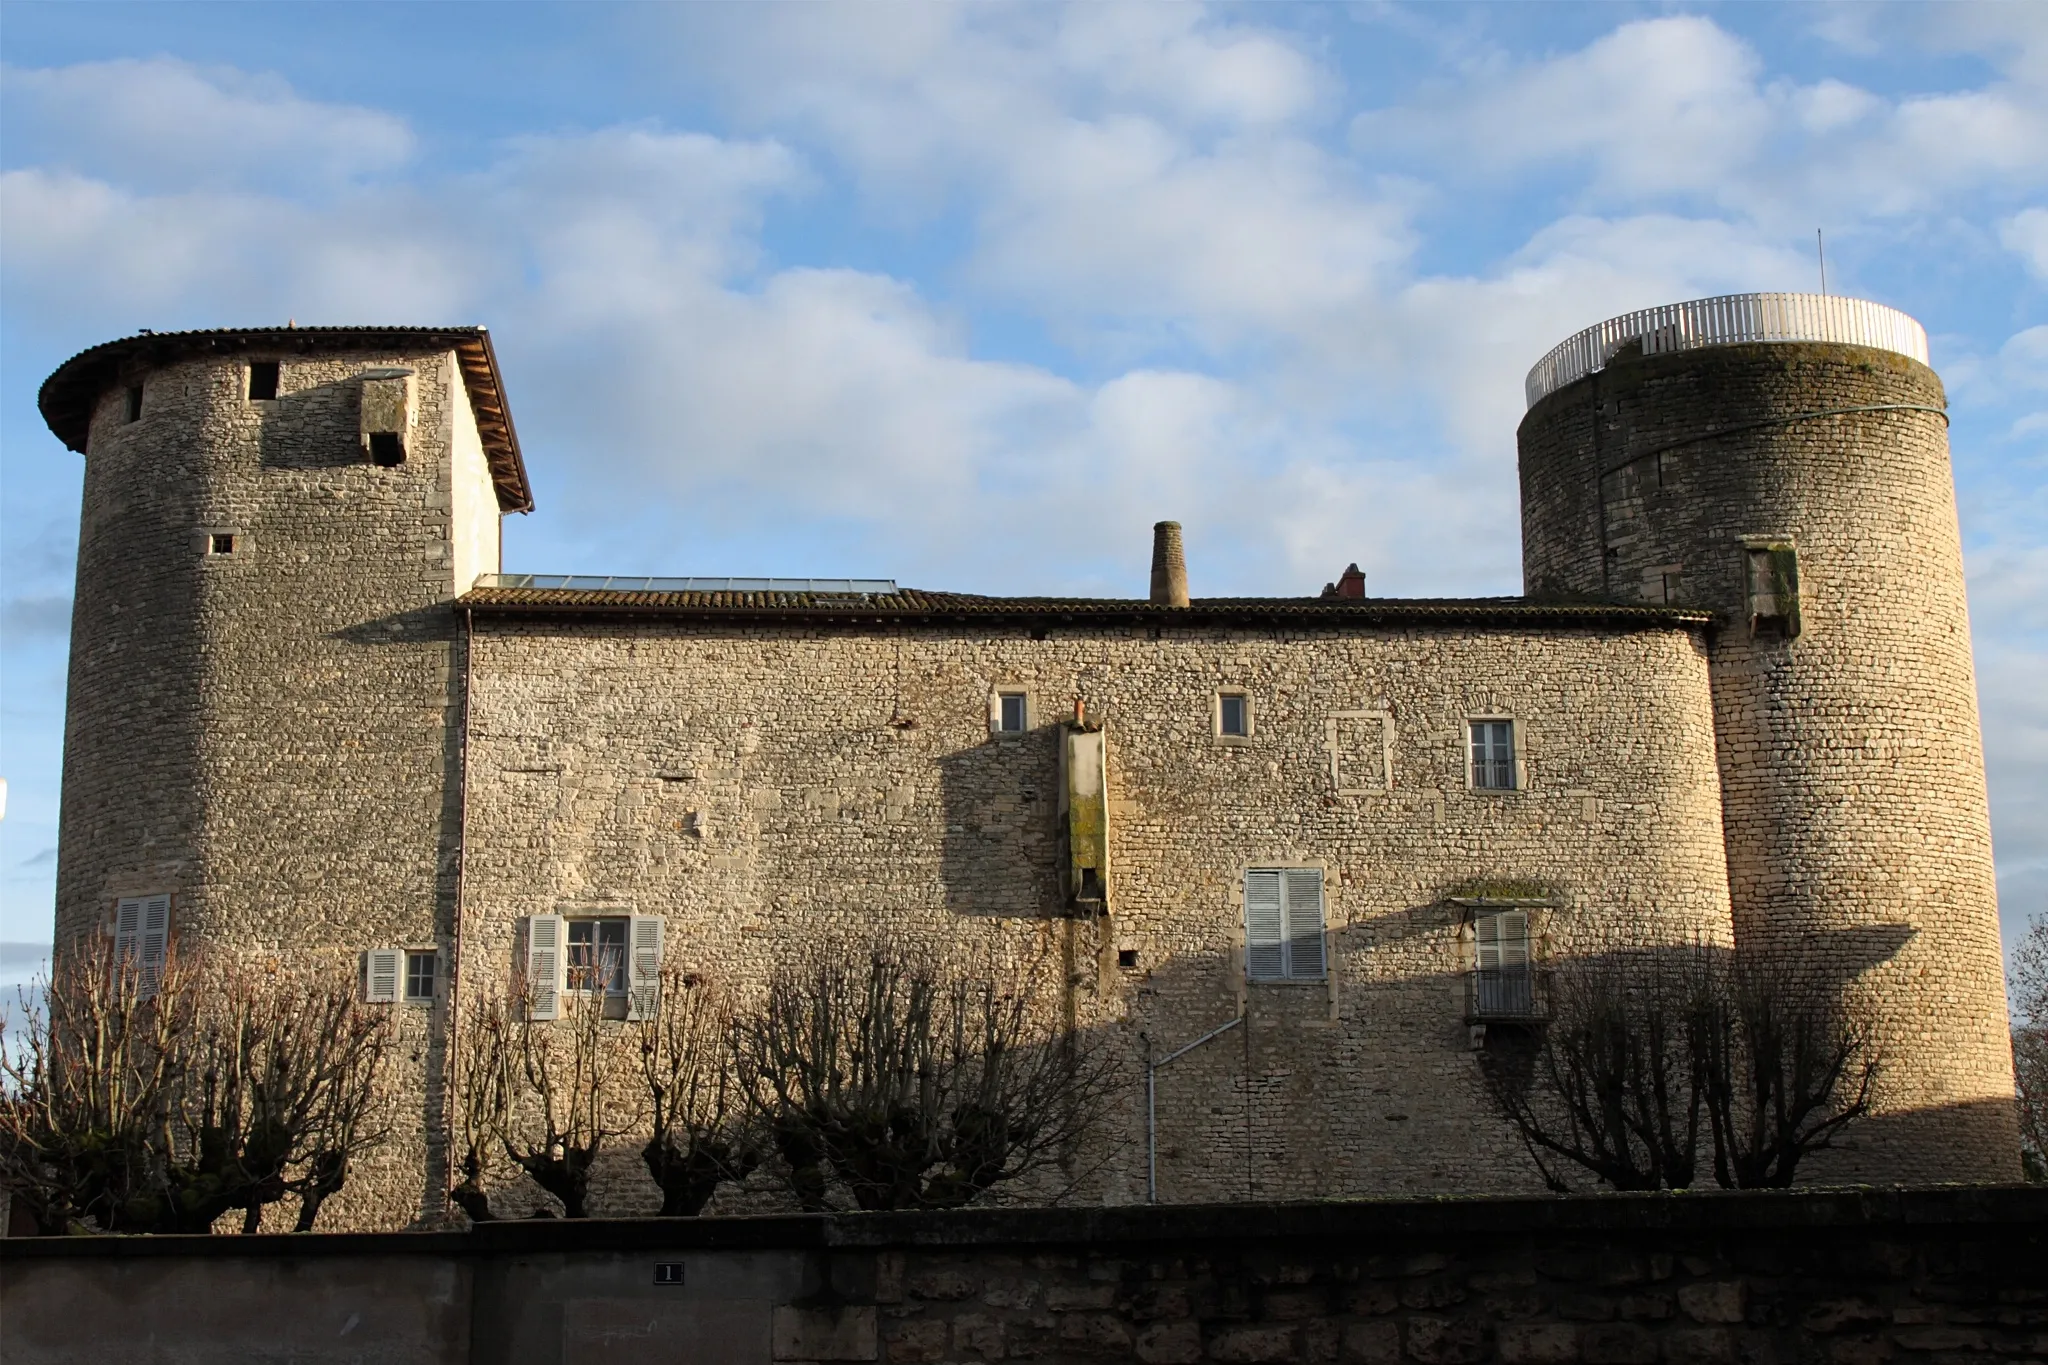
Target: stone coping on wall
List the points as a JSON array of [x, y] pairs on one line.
[[914, 605], [1972, 1209]]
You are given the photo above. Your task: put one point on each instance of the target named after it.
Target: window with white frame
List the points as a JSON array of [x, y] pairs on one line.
[[1503, 985], [1233, 715], [1283, 924], [597, 955], [1493, 755], [1013, 712], [422, 967]]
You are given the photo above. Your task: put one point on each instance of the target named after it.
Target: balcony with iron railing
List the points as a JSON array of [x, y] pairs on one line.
[[1725, 321], [1506, 995]]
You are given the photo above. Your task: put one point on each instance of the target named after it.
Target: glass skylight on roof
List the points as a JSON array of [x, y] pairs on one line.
[[839, 587]]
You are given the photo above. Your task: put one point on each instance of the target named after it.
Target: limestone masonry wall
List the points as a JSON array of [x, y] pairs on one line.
[[765, 786]]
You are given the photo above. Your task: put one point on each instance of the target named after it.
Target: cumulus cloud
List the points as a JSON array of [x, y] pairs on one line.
[[162, 123]]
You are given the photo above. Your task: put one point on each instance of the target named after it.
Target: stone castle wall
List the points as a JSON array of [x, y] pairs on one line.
[[1858, 829], [763, 787], [1847, 1278]]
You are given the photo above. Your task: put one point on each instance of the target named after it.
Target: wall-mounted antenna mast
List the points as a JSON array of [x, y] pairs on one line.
[[1822, 247]]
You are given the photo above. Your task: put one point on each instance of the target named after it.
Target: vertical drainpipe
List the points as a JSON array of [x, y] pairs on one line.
[[451, 1045]]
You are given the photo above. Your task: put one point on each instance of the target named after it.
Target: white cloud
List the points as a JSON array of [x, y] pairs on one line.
[[2025, 234], [162, 123]]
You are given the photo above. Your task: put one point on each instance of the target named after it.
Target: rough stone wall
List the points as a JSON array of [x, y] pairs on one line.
[[267, 733], [1844, 1278], [1858, 831], [762, 787]]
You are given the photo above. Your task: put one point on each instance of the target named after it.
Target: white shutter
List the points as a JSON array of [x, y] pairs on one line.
[[544, 956], [1304, 923], [128, 925], [1265, 956], [154, 941], [643, 966], [380, 975], [1513, 933]]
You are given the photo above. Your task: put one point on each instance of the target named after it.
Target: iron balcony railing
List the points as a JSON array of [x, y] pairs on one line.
[[1724, 321], [1506, 994]]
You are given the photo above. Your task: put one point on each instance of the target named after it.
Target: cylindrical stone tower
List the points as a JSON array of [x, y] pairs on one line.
[[1783, 460]]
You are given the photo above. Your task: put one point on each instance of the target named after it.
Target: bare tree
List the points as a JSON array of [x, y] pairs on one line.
[[548, 1094], [1605, 1084], [703, 1131], [158, 1099], [1784, 1066], [1646, 1052], [911, 1083], [2029, 985]]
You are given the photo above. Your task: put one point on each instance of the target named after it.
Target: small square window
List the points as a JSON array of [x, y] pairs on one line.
[[419, 974], [1127, 957], [597, 955], [262, 380], [1010, 713], [134, 405], [1234, 715], [220, 543], [1493, 755], [387, 449]]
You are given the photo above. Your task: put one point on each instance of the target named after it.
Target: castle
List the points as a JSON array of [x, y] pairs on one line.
[[309, 716]]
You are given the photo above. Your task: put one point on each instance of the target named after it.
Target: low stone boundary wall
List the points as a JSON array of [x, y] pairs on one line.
[[1850, 1277]]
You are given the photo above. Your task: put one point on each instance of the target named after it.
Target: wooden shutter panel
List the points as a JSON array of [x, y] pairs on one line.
[[1265, 953], [154, 941], [1514, 939], [128, 925], [1304, 922], [1486, 938], [643, 966], [544, 934], [380, 975]]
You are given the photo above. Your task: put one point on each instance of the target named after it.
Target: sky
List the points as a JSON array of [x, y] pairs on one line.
[[970, 295]]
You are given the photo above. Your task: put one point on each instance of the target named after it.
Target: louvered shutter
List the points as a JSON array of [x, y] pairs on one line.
[[1304, 922], [543, 966], [1486, 937], [643, 966], [1265, 950], [154, 941], [380, 975], [128, 926]]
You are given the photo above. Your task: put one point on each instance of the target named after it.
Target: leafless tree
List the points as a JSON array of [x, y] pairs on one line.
[[548, 1094], [703, 1131], [157, 1100], [2029, 984], [1604, 1084], [910, 1082], [1645, 1053]]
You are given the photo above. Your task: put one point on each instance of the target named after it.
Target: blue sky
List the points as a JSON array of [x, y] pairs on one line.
[[969, 296]]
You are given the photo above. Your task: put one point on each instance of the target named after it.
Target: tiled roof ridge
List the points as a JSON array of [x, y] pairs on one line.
[[919, 602]]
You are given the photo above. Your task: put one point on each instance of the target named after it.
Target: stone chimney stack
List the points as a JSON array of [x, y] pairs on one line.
[[1169, 566]]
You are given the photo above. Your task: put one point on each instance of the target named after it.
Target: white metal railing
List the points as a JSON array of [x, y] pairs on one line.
[[1723, 321]]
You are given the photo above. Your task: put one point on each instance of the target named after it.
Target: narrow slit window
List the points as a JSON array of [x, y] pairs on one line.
[[133, 407], [1234, 715], [1493, 755], [1010, 713], [262, 380]]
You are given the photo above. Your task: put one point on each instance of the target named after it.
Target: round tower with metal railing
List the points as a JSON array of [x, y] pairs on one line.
[[1783, 460]]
